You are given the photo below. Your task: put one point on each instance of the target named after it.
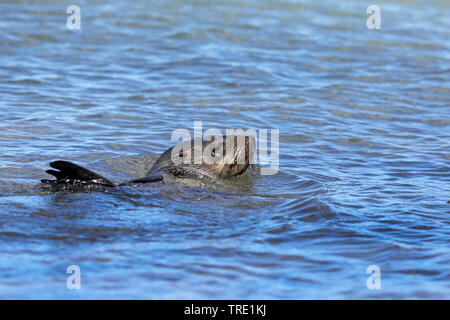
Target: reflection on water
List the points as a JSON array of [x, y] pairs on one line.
[[364, 149]]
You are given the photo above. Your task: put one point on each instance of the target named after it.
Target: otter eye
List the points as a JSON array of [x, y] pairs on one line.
[[213, 152]]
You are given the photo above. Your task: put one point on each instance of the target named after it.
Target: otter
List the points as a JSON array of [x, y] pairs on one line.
[[222, 158]]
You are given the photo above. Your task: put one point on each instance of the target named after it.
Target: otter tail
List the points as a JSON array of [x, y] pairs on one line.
[[73, 175], [147, 179]]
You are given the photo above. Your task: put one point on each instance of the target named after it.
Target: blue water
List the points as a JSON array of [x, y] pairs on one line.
[[364, 126]]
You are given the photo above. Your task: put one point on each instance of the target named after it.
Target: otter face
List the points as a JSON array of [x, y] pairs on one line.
[[215, 157], [235, 154]]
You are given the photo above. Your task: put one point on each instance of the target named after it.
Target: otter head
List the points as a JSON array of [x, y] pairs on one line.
[[215, 157]]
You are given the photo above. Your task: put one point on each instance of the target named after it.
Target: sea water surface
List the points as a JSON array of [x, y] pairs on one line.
[[364, 151]]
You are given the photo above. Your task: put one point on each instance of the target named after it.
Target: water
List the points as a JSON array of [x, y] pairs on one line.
[[364, 149]]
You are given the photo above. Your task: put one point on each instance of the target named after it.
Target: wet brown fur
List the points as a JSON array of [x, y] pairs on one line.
[[232, 162]]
